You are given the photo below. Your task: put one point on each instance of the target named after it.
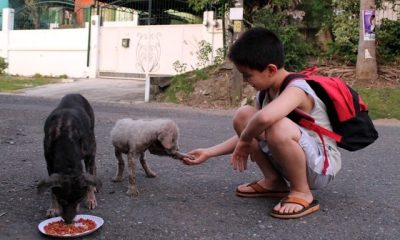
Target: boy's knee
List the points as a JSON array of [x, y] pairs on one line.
[[278, 134], [242, 117]]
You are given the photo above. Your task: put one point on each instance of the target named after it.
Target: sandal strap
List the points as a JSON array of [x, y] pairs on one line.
[[256, 187], [295, 200]]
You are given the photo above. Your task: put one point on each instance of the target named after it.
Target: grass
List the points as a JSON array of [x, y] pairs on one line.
[[382, 102], [183, 84], [12, 83]]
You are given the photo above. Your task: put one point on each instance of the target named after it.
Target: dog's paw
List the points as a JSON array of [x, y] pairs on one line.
[[133, 191], [52, 212], [117, 179], [91, 202]]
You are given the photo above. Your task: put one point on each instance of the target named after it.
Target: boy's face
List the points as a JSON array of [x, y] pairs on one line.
[[258, 80]]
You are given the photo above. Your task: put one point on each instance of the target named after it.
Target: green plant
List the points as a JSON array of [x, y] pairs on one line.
[[345, 29], [201, 74], [179, 67], [203, 54], [3, 65], [63, 76], [388, 44], [179, 84], [219, 56], [37, 75]]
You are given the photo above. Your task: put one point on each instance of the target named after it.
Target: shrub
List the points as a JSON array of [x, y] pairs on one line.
[[388, 44], [3, 65]]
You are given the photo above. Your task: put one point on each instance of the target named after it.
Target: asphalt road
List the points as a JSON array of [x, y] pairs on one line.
[[192, 202]]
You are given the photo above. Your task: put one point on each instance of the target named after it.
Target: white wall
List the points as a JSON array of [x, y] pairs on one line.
[[57, 52], [2, 44], [153, 48], [48, 52]]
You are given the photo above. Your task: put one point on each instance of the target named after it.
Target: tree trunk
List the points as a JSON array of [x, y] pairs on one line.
[[34, 12], [367, 69]]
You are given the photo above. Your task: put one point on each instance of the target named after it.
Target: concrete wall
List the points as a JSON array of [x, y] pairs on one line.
[[154, 48], [55, 52], [48, 52]]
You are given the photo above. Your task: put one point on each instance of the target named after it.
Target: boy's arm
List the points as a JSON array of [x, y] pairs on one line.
[[287, 101], [223, 148], [201, 155], [290, 99]]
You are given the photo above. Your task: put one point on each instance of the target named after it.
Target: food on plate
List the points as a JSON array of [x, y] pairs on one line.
[[60, 228]]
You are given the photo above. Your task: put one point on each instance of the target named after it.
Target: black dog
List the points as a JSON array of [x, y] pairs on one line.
[[69, 138]]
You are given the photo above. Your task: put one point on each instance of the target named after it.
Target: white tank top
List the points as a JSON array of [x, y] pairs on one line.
[[321, 118]]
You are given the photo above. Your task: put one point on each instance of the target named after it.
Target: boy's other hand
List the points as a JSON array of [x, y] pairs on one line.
[[240, 156]]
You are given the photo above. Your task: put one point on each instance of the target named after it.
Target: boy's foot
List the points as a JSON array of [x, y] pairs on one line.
[[294, 207], [255, 189]]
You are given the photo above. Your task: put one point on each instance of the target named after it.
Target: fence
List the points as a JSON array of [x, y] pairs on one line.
[[50, 14]]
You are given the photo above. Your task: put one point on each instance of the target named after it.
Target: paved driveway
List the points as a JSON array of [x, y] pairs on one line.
[[192, 202]]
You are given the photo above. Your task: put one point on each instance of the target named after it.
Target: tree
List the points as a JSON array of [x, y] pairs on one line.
[[366, 68], [32, 7]]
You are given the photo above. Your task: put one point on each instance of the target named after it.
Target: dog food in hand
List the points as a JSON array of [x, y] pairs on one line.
[[179, 155], [60, 228]]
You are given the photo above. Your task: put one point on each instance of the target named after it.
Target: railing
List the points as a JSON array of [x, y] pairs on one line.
[[50, 14], [44, 14], [149, 12]]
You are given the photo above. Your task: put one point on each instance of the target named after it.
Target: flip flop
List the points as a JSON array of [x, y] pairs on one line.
[[259, 191], [307, 208]]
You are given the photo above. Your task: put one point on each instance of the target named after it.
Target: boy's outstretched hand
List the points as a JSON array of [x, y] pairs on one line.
[[196, 156], [240, 155]]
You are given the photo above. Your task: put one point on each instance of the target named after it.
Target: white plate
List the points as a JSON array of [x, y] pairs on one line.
[[98, 220]]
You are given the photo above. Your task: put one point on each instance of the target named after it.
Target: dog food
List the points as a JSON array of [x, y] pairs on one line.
[[60, 228]]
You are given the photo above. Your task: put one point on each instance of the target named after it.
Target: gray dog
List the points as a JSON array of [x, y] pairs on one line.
[[135, 137]]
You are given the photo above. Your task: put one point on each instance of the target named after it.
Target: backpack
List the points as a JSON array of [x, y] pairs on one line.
[[352, 128]]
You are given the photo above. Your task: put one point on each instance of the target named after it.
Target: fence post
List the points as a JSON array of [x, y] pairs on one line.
[[94, 46], [7, 26], [236, 15]]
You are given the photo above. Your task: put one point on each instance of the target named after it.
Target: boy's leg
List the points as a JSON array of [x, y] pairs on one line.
[[272, 180], [283, 141]]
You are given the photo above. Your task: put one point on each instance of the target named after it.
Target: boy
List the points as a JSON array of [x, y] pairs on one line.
[[290, 157]]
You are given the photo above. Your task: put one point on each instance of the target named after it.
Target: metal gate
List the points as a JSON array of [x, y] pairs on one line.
[[122, 47]]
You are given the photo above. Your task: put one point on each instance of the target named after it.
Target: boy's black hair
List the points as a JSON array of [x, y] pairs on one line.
[[257, 48]]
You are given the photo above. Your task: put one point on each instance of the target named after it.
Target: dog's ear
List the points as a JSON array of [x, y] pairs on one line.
[[92, 180], [54, 180]]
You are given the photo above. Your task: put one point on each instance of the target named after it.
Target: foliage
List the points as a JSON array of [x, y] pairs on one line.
[[199, 5], [179, 67], [297, 50], [318, 13], [180, 83], [219, 56], [204, 53], [346, 31], [3, 65], [388, 44]]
